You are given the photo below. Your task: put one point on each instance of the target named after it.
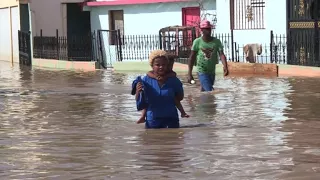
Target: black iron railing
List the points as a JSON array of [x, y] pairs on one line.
[[274, 52], [278, 48], [138, 47], [72, 48], [24, 48], [107, 46]]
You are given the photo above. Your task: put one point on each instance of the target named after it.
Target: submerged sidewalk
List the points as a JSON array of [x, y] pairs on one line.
[[283, 70], [298, 71]]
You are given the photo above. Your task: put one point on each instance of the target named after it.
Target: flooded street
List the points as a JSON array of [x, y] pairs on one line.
[[81, 125]]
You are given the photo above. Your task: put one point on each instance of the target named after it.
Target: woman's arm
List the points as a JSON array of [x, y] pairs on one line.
[[181, 109], [180, 96]]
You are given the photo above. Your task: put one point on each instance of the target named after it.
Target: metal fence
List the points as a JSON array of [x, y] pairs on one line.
[[107, 46], [273, 52], [138, 47], [71, 48], [278, 48]]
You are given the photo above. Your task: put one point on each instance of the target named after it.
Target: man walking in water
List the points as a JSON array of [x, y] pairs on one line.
[[205, 51]]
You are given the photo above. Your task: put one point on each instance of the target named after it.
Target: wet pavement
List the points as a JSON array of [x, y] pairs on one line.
[[81, 125]]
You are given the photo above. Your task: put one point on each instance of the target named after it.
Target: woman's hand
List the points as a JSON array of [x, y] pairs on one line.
[[139, 87], [185, 115]]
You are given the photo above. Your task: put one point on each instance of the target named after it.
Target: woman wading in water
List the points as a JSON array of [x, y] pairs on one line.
[[159, 96]]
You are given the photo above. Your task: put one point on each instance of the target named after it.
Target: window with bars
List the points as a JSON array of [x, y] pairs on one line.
[[248, 14]]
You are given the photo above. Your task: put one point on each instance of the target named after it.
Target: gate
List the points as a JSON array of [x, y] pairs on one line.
[[24, 48], [109, 47], [303, 32]]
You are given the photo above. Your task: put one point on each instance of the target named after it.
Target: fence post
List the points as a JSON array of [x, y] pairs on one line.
[[271, 46], [236, 52], [231, 14], [93, 44], [57, 43], [41, 44], [102, 63], [20, 46], [29, 49], [193, 34], [119, 45], [160, 39]]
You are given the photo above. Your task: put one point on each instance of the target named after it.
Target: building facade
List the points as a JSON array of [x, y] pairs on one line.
[[66, 16], [134, 17], [143, 17]]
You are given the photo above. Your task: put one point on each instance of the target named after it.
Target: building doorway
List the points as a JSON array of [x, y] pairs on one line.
[[78, 33], [190, 17]]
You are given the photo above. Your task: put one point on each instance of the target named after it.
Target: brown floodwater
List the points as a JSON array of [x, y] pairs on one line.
[[81, 125]]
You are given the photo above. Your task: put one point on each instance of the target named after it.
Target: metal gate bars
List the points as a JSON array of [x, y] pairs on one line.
[[24, 48]]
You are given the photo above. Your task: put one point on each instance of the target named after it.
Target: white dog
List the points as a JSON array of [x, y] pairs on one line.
[[251, 51]]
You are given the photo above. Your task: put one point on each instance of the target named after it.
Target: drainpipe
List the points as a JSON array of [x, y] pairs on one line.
[[231, 8], [11, 39], [32, 17], [30, 30]]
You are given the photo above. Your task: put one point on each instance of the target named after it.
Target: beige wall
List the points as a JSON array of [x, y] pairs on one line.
[[10, 54], [49, 15], [8, 3]]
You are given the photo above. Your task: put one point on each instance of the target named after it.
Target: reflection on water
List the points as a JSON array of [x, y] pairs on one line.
[[81, 125]]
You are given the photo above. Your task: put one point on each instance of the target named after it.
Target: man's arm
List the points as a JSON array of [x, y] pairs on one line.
[[224, 62], [223, 59], [193, 56], [192, 59]]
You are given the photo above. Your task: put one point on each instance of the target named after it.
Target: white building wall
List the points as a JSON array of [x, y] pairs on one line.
[[274, 19]]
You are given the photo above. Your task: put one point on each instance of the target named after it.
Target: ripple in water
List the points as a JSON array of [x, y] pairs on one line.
[[70, 125]]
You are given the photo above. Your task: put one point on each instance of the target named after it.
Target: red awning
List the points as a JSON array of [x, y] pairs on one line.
[[129, 2]]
